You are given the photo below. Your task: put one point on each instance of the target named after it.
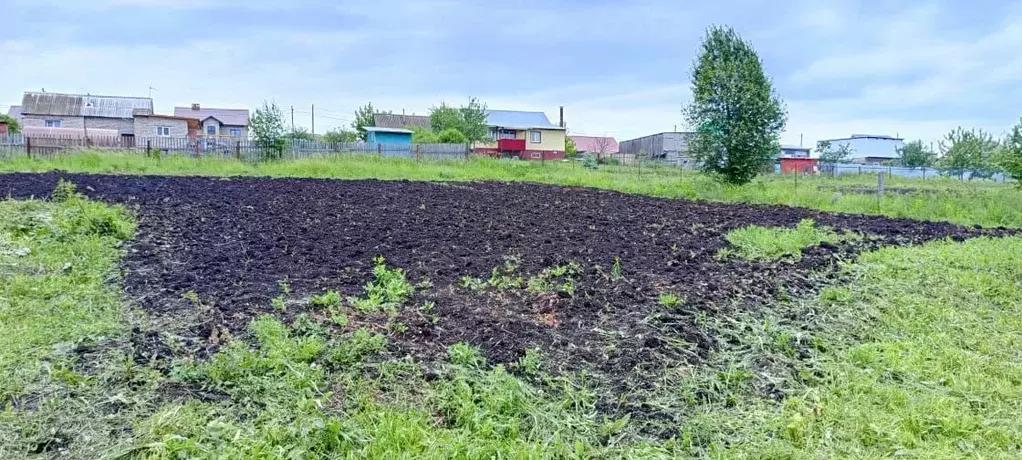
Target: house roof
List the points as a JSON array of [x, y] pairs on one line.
[[865, 136], [14, 111], [795, 147], [381, 129], [230, 117], [390, 120], [595, 143], [518, 119], [79, 105]]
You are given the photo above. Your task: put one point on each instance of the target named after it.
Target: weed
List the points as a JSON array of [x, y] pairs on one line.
[[759, 243], [466, 355], [531, 362], [559, 279], [616, 273], [64, 191], [326, 300], [355, 347], [388, 290], [505, 276], [670, 301], [279, 303]]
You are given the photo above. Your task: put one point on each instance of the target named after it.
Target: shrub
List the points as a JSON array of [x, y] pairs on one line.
[[758, 243]]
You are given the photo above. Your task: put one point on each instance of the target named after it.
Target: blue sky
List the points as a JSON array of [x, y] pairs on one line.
[[620, 68]]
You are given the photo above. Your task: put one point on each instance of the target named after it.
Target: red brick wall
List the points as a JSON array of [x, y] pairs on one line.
[[536, 155]]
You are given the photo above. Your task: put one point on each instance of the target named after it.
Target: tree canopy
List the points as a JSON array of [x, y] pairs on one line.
[[267, 126], [340, 135], [363, 118], [971, 151], [915, 155], [469, 120], [1010, 157], [737, 116], [12, 123], [830, 153]]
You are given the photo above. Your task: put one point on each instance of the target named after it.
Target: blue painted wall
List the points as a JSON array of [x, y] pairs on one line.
[[388, 138]]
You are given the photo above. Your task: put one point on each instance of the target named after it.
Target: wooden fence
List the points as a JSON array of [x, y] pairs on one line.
[[226, 148]]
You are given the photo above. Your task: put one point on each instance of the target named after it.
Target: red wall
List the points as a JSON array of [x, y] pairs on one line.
[[798, 165], [536, 155]]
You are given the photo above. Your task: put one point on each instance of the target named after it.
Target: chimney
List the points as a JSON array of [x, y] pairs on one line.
[[562, 116], [195, 106]]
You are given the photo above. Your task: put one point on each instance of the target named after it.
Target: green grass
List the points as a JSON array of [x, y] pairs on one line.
[[964, 202], [759, 243]]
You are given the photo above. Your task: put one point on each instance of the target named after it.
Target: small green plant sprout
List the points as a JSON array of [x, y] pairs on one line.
[[356, 346], [559, 279], [505, 276], [763, 243], [615, 270], [670, 301], [466, 355], [64, 191], [284, 286], [388, 290], [192, 297], [531, 362], [279, 303], [327, 300], [473, 283]]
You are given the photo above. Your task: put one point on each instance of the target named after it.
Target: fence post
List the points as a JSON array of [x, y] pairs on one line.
[[417, 153], [28, 146], [237, 150], [148, 146], [468, 148], [197, 142]]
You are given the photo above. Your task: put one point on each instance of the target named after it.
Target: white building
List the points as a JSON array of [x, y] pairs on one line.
[[869, 148]]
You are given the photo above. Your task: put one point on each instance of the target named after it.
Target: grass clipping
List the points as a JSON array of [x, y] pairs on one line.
[[765, 243]]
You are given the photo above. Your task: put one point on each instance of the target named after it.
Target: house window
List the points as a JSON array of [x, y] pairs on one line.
[[163, 131], [235, 132], [508, 134], [537, 136], [52, 123], [211, 130]]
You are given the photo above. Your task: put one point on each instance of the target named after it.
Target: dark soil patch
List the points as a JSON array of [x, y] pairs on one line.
[[232, 240]]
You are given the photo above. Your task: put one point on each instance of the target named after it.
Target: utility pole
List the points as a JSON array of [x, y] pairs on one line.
[[313, 121], [292, 122]]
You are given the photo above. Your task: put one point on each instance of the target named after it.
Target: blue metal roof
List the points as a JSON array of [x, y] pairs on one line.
[[518, 119]]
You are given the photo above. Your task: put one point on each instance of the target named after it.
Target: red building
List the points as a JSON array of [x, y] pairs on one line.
[[798, 165]]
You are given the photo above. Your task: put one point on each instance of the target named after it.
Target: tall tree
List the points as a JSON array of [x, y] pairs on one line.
[[443, 117], [829, 153], [915, 155], [570, 149], [970, 151], [363, 118], [1010, 157], [340, 135], [734, 108], [267, 126], [12, 123], [469, 120]]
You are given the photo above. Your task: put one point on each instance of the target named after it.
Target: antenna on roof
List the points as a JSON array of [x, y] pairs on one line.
[[151, 89]]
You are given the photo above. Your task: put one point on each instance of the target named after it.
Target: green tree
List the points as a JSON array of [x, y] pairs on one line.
[[299, 134], [363, 118], [422, 135], [340, 135], [1010, 157], [267, 126], [570, 149], [12, 123], [451, 136], [737, 114], [915, 155], [469, 120], [830, 153], [971, 151]]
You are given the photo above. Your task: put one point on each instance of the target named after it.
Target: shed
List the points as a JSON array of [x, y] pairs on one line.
[[378, 135], [798, 166]]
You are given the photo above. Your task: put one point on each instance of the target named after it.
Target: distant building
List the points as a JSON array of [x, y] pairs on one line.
[[525, 135], [148, 124], [596, 145], [671, 147], [82, 111], [870, 148], [219, 123], [15, 112], [378, 135], [793, 151]]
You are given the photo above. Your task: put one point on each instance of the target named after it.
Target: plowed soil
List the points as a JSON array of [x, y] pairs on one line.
[[231, 241]]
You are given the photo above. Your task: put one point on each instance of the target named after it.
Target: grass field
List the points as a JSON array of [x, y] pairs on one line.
[[964, 202], [914, 355]]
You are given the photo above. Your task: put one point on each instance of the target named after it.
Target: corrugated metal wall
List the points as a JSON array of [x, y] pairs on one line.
[[657, 145]]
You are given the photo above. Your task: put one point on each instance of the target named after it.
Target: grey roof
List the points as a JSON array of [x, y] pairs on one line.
[[232, 117], [794, 147], [14, 111], [390, 120], [78, 105], [518, 119], [381, 129]]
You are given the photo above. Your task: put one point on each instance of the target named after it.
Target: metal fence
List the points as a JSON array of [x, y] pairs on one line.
[[226, 148], [839, 169]]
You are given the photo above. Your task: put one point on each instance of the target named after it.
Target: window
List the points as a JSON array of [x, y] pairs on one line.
[[52, 123], [537, 136], [163, 130], [211, 130], [507, 134], [235, 132]]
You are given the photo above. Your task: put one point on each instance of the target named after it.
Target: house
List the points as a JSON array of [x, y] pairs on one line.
[[85, 112], [871, 149], [379, 135], [390, 120], [671, 147], [15, 112], [226, 123], [149, 124], [525, 135], [794, 151], [596, 145]]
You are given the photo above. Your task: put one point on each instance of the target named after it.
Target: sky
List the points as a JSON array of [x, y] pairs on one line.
[[619, 68]]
